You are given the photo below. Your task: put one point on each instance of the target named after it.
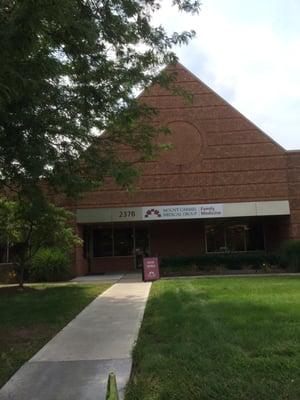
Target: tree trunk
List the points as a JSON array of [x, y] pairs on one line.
[[21, 270], [21, 279]]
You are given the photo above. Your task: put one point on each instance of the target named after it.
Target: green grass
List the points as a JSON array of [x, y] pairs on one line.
[[30, 318], [217, 339]]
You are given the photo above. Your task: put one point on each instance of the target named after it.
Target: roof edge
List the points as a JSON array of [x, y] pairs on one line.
[[293, 151], [178, 63], [230, 105]]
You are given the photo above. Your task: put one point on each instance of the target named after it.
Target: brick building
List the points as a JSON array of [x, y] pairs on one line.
[[224, 186]]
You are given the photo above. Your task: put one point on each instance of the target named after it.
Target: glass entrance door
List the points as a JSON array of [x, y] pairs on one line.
[[141, 245]]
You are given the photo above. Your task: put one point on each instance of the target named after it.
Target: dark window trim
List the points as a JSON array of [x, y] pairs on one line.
[[133, 227], [224, 225]]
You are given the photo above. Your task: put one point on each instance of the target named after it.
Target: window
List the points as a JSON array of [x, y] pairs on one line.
[[109, 242], [215, 238], [142, 241], [6, 254], [103, 244], [255, 237], [123, 242], [3, 254], [234, 237], [86, 241]]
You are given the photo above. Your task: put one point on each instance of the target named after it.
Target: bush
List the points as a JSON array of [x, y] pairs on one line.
[[290, 254], [220, 261], [7, 273], [50, 265]]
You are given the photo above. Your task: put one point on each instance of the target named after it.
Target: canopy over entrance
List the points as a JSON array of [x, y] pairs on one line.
[[189, 211]]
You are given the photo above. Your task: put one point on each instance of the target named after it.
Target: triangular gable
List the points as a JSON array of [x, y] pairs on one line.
[[218, 155], [217, 114]]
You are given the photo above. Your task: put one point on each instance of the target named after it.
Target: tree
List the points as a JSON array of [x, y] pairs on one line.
[[28, 228], [69, 71]]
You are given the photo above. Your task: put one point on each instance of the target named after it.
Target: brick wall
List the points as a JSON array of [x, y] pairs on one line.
[[217, 156], [293, 158]]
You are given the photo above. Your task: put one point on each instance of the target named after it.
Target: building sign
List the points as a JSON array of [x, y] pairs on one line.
[[125, 214], [183, 212], [150, 269], [190, 211], [150, 213]]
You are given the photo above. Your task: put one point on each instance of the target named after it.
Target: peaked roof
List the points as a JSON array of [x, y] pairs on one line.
[[183, 74]]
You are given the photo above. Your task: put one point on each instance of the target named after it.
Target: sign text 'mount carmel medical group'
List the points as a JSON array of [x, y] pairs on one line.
[[146, 213], [183, 211]]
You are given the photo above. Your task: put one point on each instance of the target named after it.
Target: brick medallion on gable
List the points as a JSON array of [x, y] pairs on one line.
[[187, 146]]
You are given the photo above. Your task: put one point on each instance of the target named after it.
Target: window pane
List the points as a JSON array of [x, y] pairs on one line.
[[215, 238], [123, 242], [6, 254], [86, 242], [2, 254], [142, 241], [255, 237], [235, 237], [103, 243]]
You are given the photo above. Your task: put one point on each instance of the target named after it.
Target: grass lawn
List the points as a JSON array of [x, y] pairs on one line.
[[220, 338], [30, 318]]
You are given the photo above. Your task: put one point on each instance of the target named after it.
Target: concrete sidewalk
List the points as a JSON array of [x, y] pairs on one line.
[[75, 364]]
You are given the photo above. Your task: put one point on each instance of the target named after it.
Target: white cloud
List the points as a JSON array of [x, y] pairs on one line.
[[253, 64]]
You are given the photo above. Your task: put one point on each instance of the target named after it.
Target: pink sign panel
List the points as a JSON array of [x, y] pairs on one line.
[[151, 269]]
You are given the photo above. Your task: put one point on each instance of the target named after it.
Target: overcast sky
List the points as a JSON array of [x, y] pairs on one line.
[[249, 53]]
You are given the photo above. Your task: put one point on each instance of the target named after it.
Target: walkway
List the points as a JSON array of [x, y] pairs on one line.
[[75, 364]]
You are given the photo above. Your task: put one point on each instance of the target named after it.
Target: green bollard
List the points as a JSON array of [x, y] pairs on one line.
[[112, 390]]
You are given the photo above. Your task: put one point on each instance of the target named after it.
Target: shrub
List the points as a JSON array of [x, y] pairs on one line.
[[290, 254], [215, 262], [8, 273], [50, 265]]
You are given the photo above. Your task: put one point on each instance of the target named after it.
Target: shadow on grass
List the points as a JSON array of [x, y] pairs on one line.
[[201, 342], [29, 318], [13, 289], [45, 303]]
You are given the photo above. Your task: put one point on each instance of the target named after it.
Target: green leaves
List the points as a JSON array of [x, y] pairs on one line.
[[188, 6], [28, 226], [70, 69]]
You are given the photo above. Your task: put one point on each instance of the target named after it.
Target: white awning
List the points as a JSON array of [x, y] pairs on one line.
[[183, 211]]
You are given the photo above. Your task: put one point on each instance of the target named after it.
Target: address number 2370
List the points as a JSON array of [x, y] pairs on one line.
[[127, 214]]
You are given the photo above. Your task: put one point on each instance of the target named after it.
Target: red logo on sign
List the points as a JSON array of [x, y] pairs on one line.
[[153, 212]]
